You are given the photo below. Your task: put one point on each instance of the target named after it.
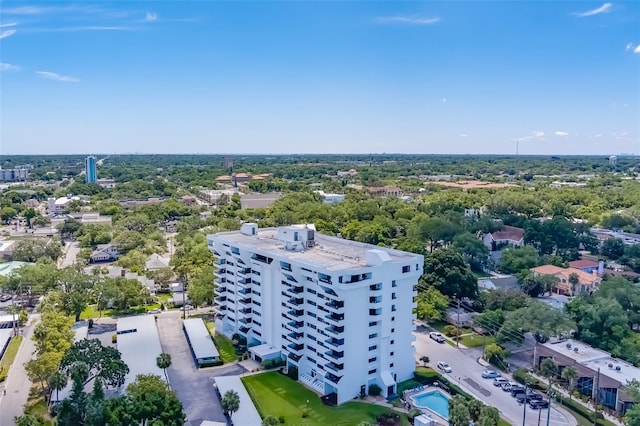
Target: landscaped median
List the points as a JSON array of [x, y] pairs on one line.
[[277, 395], [9, 356]]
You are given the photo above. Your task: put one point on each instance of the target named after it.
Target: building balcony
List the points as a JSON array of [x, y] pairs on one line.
[[334, 367], [220, 316], [335, 305], [335, 318], [244, 291], [245, 300], [295, 289], [219, 289], [220, 262], [375, 312], [335, 330], [220, 299], [335, 354], [294, 357], [296, 335], [296, 347], [243, 272], [357, 278], [375, 299], [221, 282], [244, 330], [245, 311], [245, 321], [297, 301], [336, 343], [295, 324], [220, 272], [296, 313], [332, 378]]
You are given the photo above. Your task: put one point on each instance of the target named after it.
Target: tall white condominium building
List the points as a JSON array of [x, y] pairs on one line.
[[339, 310]]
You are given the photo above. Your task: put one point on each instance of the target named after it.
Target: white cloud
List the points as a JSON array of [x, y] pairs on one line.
[[464, 135], [411, 20], [8, 67], [7, 33], [444, 100], [637, 49], [57, 77], [629, 46], [10, 24], [87, 28], [538, 134], [605, 8], [561, 133], [150, 17]]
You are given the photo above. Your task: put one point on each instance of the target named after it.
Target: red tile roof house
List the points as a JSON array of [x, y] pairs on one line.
[[586, 282], [586, 265], [507, 236]]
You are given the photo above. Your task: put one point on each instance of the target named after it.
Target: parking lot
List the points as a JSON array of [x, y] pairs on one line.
[[467, 373], [193, 386]]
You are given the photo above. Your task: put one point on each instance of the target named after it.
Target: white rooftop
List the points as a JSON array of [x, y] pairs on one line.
[[594, 358], [332, 253], [247, 415], [264, 350], [139, 348], [200, 338]]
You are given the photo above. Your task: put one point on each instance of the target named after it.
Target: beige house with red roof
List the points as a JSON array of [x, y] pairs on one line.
[[586, 282], [507, 236]]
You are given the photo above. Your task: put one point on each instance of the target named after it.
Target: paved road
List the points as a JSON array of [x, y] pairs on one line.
[[193, 386], [71, 251], [467, 373], [17, 383]]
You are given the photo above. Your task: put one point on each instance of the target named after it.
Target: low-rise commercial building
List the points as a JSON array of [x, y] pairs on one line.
[[202, 348]]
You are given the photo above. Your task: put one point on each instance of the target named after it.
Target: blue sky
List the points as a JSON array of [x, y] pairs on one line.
[[320, 77]]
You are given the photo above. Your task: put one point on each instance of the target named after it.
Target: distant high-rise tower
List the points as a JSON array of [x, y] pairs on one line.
[[90, 171], [613, 160]]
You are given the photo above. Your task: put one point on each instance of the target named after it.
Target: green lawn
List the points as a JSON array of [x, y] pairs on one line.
[[9, 356], [473, 341], [440, 325], [92, 311], [277, 395], [225, 348]]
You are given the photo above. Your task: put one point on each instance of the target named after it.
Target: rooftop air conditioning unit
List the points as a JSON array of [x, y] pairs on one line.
[[568, 345], [610, 365], [575, 349], [617, 368]]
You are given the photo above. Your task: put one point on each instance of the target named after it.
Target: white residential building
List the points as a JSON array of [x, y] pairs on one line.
[[339, 310]]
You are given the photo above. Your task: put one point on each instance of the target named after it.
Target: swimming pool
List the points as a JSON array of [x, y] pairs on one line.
[[435, 401]]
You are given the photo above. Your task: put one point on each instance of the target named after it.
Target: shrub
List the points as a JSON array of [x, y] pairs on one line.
[[387, 418], [450, 330], [374, 390], [114, 338], [281, 419]]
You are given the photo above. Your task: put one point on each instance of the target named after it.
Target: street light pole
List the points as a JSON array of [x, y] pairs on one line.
[[524, 402]]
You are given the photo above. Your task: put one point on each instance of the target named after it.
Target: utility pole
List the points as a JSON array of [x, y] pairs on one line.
[[524, 402], [458, 325], [596, 386], [549, 391]]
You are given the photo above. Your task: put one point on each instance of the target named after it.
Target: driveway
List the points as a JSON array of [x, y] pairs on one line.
[[467, 373], [193, 386], [71, 251]]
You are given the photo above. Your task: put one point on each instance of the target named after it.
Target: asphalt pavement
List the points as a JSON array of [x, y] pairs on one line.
[[194, 386], [17, 384], [467, 373]]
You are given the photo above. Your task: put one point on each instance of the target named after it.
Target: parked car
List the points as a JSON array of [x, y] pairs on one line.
[[490, 374], [499, 381], [537, 404], [516, 390], [186, 308], [444, 367], [438, 337], [155, 311], [528, 397], [507, 386], [5, 298]]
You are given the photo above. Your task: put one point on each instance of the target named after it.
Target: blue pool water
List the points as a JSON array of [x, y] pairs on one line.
[[435, 401]]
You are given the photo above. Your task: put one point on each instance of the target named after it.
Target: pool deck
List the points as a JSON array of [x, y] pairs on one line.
[[409, 396]]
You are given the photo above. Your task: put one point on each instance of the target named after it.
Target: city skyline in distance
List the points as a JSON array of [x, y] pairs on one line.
[[320, 77]]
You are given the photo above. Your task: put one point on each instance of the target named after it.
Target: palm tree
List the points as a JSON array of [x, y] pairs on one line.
[[57, 382], [574, 279], [569, 374], [549, 369], [164, 361], [231, 402], [270, 421]]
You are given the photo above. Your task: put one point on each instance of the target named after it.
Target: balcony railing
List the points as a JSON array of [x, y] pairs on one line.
[[296, 312], [335, 330], [335, 318], [295, 357], [335, 305], [244, 330], [295, 324], [333, 378], [336, 343], [296, 301], [335, 367], [335, 354], [295, 346]]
